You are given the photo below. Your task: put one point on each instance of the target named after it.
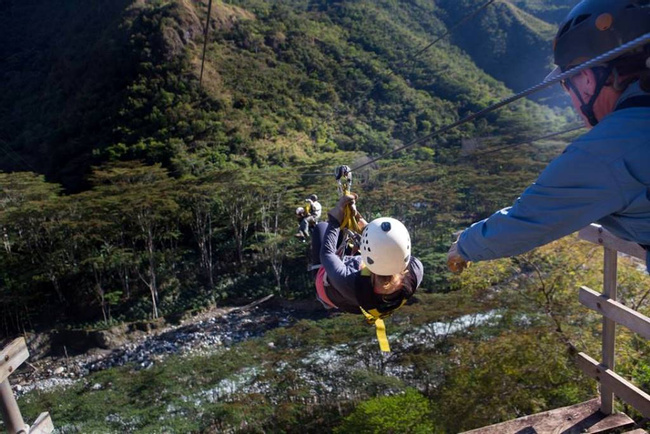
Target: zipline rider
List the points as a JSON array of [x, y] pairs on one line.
[[375, 283], [604, 176]]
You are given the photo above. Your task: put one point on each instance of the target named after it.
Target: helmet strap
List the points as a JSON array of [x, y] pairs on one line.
[[587, 108]]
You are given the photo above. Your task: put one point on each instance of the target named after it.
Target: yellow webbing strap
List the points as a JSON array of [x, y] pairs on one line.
[[380, 326], [349, 221]]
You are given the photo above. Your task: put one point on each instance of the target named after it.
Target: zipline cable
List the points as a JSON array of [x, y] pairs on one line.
[[500, 148], [451, 29], [603, 58], [414, 56], [529, 141], [7, 150], [205, 40]]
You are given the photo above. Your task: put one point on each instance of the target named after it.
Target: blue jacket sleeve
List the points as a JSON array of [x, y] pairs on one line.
[[575, 190]]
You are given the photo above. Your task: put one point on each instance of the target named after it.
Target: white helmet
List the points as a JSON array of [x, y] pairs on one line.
[[300, 210], [386, 246]]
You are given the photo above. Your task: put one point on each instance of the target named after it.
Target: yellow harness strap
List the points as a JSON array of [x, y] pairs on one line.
[[349, 221], [373, 316], [380, 326]]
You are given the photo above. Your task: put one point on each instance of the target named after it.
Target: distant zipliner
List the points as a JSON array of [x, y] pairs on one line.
[[363, 268], [308, 217]]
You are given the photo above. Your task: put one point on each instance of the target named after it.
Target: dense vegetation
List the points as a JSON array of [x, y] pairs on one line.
[[285, 85], [496, 350], [132, 191]]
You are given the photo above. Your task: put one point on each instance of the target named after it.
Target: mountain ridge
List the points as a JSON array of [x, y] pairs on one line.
[[143, 69]]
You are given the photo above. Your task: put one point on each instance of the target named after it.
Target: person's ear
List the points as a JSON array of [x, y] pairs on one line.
[[585, 82]]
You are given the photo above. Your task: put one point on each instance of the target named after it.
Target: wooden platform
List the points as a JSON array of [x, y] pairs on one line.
[[577, 419]]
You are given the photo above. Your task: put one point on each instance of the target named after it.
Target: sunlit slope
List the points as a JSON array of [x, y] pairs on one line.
[[552, 11], [507, 42]]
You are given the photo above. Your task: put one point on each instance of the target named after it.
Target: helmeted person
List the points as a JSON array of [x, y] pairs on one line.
[[604, 175], [380, 279], [315, 208], [313, 211]]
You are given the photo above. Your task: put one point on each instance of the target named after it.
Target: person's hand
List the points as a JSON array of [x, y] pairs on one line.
[[338, 212], [455, 262]]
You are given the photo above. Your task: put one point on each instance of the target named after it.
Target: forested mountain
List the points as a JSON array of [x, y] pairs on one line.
[[132, 191], [552, 12], [87, 83], [287, 87]]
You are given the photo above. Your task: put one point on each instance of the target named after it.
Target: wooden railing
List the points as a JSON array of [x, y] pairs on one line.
[[10, 359], [613, 313]]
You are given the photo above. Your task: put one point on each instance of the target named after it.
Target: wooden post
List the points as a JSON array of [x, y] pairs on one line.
[[609, 328], [10, 412], [11, 357]]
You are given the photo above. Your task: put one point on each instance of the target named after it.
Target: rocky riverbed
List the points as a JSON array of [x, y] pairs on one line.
[[205, 334]]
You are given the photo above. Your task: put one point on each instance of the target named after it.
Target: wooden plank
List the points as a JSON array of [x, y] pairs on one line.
[[599, 235], [637, 431], [616, 311], [625, 390], [13, 420], [42, 425], [609, 327], [576, 419], [12, 357]]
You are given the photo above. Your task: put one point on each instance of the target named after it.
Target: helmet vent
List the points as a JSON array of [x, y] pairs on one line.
[[580, 18], [370, 261], [385, 226], [565, 29]]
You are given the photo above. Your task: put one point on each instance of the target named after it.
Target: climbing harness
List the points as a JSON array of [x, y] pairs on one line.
[[351, 241], [344, 179]]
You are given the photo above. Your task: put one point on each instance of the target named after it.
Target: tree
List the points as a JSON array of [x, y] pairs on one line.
[[145, 202], [406, 413]]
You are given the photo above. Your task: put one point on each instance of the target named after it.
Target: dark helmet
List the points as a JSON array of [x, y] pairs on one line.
[[313, 197], [594, 27]]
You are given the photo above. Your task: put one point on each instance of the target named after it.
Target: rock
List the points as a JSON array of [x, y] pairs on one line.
[[59, 370], [19, 388], [96, 386], [271, 344]]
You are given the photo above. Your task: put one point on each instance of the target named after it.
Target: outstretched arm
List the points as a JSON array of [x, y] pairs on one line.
[[342, 276], [574, 190]]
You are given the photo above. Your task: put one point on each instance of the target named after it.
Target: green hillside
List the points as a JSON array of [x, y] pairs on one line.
[[288, 86], [552, 12], [510, 42], [133, 197], [87, 84]]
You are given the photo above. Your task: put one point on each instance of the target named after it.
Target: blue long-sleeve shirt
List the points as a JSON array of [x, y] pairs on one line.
[[604, 177]]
